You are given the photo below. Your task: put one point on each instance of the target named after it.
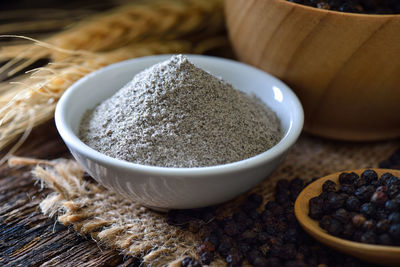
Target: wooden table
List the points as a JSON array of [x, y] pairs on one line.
[[29, 238]]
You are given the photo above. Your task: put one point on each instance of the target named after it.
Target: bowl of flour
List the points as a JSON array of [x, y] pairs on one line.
[[179, 131]]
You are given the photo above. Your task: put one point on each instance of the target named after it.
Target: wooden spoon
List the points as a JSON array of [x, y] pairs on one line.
[[386, 255]]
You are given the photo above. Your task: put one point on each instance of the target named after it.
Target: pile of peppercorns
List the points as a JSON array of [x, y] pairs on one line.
[[355, 6], [263, 236], [270, 235], [364, 209]]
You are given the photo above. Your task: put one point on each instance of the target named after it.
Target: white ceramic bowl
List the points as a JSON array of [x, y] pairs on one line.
[[178, 188]]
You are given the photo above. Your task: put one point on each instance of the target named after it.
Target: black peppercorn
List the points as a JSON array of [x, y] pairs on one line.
[[368, 237], [391, 181], [394, 217], [384, 239], [364, 193], [273, 262], [234, 258], [394, 190], [335, 201], [358, 220], [249, 236], [207, 257], [282, 185], [325, 222], [392, 205], [275, 208], [248, 223], [381, 214], [253, 254], [259, 261], [253, 214], [369, 176], [348, 178], [239, 216], [225, 245], [205, 247], [323, 5], [296, 185], [282, 199], [369, 225], [342, 215], [368, 209], [291, 235], [256, 199], [231, 228], [353, 204], [384, 178], [288, 251], [190, 262], [360, 182], [382, 226], [348, 230], [316, 205], [382, 188], [357, 235], [186, 261], [329, 186], [379, 197], [244, 247], [335, 227], [394, 231], [347, 188], [397, 198], [213, 239]]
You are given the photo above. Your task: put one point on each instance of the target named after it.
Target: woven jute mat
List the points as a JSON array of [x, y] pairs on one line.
[[134, 230]]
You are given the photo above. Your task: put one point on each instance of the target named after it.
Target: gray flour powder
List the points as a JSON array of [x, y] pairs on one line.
[[174, 114]]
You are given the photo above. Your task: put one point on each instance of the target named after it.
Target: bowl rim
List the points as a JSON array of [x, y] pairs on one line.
[[287, 140], [336, 12]]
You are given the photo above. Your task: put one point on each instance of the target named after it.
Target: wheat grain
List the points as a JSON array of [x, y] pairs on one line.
[[167, 19]]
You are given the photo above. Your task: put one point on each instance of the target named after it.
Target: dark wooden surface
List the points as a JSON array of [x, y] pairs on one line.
[[29, 238]]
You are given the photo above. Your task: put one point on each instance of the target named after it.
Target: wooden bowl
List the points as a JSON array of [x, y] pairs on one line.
[[386, 255], [344, 67]]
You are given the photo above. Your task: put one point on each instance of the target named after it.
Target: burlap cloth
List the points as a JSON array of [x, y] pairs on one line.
[[116, 222]]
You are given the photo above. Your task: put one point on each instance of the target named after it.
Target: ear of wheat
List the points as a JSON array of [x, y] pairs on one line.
[[144, 28]]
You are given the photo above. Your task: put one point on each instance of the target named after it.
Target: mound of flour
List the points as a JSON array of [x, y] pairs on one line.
[[175, 114]]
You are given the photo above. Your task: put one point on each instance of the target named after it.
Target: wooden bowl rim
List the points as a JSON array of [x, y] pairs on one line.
[[334, 12], [311, 226]]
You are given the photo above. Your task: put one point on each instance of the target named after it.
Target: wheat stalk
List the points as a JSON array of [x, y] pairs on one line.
[[154, 27], [32, 101]]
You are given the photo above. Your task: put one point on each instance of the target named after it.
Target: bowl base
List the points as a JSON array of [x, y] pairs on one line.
[[163, 210], [351, 135]]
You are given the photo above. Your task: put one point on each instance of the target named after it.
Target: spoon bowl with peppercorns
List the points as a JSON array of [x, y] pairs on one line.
[[361, 205]]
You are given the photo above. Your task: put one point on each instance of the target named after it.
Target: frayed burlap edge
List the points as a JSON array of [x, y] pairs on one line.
[[137, 231], [106, 217]]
